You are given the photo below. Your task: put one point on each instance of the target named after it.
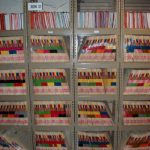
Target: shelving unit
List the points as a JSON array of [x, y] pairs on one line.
[[57, 39], [17, 131], [125, 66], [44, 44], [97, 34], [134, 134], [111, 133]]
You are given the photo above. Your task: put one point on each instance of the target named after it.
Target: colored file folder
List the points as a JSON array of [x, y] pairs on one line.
[[136, 48], [96, 81], [50, 141], [13, 113], [97, 19], [136, 113], [139, 141], [47, 20], [138, 82], [48, 49], [93, 141], [94, 114], [12, 21], [50, 81], [98, 48], [11, 50], [137, 20], [52, 113], [12, 82]]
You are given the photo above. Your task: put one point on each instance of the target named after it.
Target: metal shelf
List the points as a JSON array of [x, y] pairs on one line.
[[51, 65], [137, 31], [52, 97], [53, 128], [12, 33], [135, 65], [52, 31], [26, 127], [13, 66], [101, 97], [134, 128], [97, 65], [98, 31], [13, 97], [136, 97], [95, 128]]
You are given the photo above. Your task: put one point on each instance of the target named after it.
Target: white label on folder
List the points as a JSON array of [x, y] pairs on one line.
[[35, 6], [50, 32], [96, 31]]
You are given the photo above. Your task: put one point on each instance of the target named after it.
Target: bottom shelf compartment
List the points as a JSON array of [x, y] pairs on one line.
[[50, 140], [15, 138], [53, 139], [94, 140], [88, 140], [137, 140]]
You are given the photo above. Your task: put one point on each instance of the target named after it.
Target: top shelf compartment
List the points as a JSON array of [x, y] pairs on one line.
[[96, 14], [11, 15], [55, 14]]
